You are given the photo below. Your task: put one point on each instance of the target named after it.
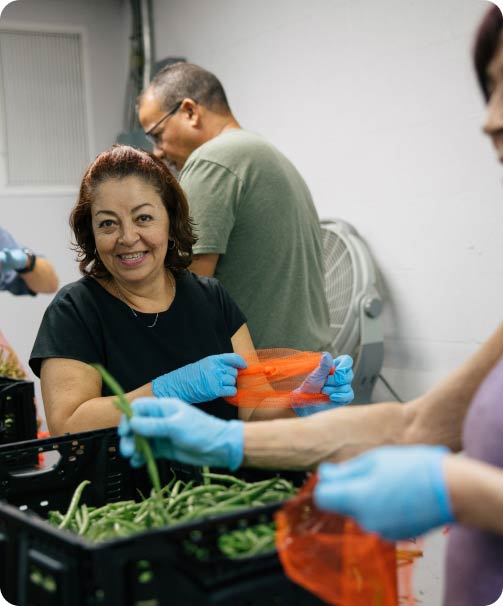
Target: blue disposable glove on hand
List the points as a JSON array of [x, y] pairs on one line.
[[12, 259], [179, 431], [210, 378], [337, 386], [396, 491]]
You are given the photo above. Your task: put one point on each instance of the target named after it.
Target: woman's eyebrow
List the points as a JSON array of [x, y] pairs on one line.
[[133, 210]]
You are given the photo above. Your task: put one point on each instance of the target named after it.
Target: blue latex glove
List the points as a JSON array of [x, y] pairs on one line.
[[12, 259], [396, 491], [179, 431], [210, 378], [337, 386]]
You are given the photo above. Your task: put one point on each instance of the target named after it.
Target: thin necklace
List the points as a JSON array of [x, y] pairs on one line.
[[148, 325], [172, 286]]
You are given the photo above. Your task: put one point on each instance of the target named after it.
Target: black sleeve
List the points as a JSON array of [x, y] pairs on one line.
[[68, 330], [233, 316]]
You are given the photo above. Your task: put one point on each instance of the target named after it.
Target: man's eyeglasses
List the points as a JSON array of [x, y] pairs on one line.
[[155, 138]]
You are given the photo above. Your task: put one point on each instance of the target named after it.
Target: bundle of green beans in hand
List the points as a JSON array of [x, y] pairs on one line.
[[141, 444], [179, 502]]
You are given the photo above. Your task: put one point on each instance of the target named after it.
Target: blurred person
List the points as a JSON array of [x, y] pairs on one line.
[[403, 478], [22, 272], [258, 230], [158, 328]]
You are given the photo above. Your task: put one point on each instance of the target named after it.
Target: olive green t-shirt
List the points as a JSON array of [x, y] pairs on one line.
[[251, 206]]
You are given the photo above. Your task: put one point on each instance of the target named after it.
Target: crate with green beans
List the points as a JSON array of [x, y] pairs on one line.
[[88, 530]]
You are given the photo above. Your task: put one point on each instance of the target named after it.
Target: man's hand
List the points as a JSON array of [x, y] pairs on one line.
[[12, 259], [396, 491], [182, 432]]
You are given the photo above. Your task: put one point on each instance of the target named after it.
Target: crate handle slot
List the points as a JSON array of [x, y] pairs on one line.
[[49, 464]]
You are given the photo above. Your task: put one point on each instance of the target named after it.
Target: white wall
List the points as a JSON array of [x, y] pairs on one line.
[[376, 103], [41, 220]]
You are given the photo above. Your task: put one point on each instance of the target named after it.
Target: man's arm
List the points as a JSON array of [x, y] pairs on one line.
[[43, 278], [335, 435], [204, 265]]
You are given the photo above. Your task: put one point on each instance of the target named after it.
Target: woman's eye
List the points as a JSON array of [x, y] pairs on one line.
[[105, 224], [144, 218]]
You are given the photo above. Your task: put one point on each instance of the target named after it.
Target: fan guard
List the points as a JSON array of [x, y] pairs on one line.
[[354, 303]]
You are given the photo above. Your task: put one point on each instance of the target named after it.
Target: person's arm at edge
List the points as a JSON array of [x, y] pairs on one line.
[[335, 435], [476, 493], [43, 277], [204, 265]]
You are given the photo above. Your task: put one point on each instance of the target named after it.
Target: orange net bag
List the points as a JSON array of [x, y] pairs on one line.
[[330, 556], [272, 376]]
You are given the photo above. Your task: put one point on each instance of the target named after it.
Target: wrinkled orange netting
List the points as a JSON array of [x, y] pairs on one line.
[[272, 376], [332, 557]]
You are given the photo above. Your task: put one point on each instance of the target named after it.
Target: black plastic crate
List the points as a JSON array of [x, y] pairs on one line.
[[41, 565], [18, 415]]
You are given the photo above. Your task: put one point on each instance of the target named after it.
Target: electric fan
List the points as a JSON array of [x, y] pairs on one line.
[[354, 303]]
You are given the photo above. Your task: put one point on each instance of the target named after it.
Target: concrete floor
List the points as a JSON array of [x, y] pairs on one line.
[[428, 577]]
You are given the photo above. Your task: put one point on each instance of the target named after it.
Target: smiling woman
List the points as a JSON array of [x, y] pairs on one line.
[[158, 328]]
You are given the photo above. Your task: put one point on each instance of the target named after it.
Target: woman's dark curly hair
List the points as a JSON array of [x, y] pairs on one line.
[[486, 44], [118, 162]]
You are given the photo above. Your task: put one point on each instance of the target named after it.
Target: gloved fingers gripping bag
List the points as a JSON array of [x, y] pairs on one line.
[[272, 376], [329, 555]]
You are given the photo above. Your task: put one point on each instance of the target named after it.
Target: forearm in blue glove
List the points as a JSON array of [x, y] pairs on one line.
[[12, 259], [337, 385], [182, 432], [210, 378], [396, 491]]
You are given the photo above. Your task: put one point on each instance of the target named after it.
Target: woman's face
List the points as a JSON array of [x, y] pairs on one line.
[[131, 229]]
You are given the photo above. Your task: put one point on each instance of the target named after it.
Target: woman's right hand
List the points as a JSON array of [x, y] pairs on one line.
[[210, 378]]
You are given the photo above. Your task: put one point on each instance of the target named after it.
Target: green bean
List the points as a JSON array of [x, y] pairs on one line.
[[184, 495], [142, 445], [169, 485], [73, 504], [85, 520], [55, 517], [223, 478]]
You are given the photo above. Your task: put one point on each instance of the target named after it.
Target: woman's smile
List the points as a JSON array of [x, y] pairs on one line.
[[132, 259]]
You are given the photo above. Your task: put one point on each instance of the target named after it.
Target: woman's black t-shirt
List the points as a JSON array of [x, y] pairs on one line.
[[86, 323]]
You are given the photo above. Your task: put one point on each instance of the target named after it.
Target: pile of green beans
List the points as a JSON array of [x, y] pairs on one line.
[[179, 502], [247, 542]]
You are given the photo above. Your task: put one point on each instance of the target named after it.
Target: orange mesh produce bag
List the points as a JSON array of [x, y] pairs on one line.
[[272, 376], [332, 557]]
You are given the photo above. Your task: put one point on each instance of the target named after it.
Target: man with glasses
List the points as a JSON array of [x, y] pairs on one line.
[[257, 226]]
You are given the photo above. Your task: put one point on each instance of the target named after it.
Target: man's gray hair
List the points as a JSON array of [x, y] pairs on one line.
[[183, 80]]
